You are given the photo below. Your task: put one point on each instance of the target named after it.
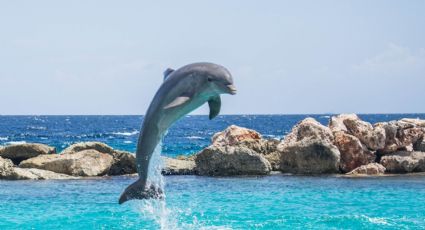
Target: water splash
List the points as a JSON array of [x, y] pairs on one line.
[[156, 209]]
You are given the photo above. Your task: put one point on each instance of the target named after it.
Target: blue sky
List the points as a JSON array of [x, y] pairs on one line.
[[107, 57]]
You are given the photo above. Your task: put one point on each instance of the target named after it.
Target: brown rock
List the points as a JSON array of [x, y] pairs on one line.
[[20, 152], [123, 163], [353, 152], [98, 146], [369, 169], [400, 135]]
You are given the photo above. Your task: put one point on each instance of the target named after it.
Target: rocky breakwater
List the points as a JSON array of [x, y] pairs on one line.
[[347, 145]]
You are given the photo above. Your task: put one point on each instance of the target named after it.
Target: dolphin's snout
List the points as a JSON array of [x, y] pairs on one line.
[[232, 89]]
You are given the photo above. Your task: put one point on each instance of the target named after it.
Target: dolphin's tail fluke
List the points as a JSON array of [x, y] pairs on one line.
[[139, 190]]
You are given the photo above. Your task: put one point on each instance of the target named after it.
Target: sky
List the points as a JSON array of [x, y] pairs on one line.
[[286, 57]]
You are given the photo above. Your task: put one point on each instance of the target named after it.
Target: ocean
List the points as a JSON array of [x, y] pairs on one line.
[[277, 201]]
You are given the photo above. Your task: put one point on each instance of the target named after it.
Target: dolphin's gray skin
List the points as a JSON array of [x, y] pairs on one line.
[[182, 91]]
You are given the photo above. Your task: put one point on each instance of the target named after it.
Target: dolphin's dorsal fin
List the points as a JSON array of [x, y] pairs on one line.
[[167, 72], [177, 102], [215, 105]]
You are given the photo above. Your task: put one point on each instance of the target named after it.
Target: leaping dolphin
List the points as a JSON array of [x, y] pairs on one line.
[[182, 91]]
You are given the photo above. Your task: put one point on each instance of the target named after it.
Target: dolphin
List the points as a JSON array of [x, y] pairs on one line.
[[182, 91]]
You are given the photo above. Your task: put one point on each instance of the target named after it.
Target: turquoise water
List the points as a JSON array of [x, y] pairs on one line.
[[192, 202]]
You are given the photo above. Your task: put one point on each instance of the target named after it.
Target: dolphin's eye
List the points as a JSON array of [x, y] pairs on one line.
[[209, 79]]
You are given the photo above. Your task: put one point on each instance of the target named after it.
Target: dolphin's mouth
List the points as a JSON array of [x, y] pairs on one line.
[[232, 89]]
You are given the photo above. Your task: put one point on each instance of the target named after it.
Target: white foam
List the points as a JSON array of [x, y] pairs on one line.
[[4, 138], [194, 137], [15, 142], [126, 133], [128, 142]]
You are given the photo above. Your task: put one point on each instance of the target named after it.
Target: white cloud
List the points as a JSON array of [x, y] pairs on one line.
[[393, 60]]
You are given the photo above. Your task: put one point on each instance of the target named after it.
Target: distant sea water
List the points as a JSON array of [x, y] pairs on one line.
[[192, 202]]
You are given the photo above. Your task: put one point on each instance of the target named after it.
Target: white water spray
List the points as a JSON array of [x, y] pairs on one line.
[[156, 209]]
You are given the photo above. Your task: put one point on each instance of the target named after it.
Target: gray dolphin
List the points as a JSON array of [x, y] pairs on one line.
[[182, 91]]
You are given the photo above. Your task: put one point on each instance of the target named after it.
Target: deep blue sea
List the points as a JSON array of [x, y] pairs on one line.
[[269, 202]]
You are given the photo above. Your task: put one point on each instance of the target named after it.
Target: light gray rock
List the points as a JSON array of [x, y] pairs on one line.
[[309, 156], [6, 168], [178, 167], [353, 152], [369, 169], [415, 122], [83, 163], [309, 149], [404, 162], [98, 146], [37, 174], [123, 162], [400, 135], [9, 172], [20, 152], [229, 161]]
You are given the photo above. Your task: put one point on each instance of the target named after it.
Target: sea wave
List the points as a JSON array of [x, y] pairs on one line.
[[126, 133], [15, 142], [128, 142], [4, 138], [194, 137]]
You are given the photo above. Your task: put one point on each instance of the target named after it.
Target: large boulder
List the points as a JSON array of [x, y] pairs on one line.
[[229, 161], [20, 152], [309, 149], [123, 163], [369, 169], [400, 135], [6, 168], [78, 147], [238, 136], [84, 163], [9, 172], [372, 137], [353, 152], [404, 162], [416, 122], [420, 145], [178, 167]]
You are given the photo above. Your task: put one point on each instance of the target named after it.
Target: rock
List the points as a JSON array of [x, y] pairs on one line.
[[369, 169], [420, 145], [309, 149], [307, 129], [37, 174], [83, 163], [353, 152], [372, 137], [229, 161], [78, 147], [9, 172], [309, 156], [238, 136], [20, 152], [6, 168], [178, 167], [415, 122], [123, 163], [399, 135], [404, 162]]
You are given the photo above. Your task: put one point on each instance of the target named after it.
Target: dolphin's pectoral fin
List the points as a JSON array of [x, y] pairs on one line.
[[137, 190], [167, 73], [215, 105], [177, 102]]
